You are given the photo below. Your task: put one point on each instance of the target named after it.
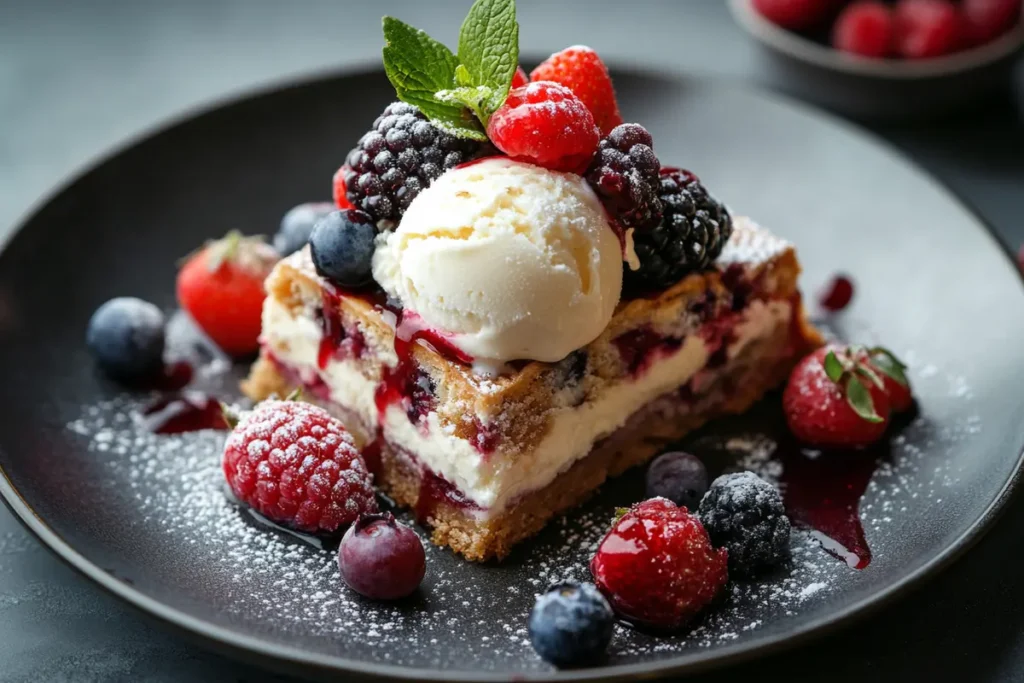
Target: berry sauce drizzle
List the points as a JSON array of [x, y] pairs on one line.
[[190, 411], [822, 493], [399, 383], [336, 341], [433, 492]]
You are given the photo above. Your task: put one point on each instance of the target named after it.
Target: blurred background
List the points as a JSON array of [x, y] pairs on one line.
[[78, 79]]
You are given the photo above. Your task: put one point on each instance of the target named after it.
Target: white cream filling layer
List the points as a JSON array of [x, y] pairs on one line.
[[295, 341], [495, 480]]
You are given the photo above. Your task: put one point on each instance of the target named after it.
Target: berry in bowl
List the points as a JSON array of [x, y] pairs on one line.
[[887, 60]]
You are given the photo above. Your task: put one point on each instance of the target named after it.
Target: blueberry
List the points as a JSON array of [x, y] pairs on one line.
[[745, 514], [126, 336], [297, 225], [380, 558], [571, 625], [678, 476], [342, 246]]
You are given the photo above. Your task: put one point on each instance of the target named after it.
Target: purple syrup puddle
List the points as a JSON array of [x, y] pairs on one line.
[[822, 490]]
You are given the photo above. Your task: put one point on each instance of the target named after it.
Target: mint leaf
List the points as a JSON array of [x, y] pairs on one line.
[[462, 77], [475, 98], [833, 368], [859, 398], [465, 127], [489, 49], [418, 66]]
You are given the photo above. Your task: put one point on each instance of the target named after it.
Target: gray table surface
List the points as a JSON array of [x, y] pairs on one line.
[[78, 78]]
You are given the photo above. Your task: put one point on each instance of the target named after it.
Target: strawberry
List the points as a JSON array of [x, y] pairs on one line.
[[894, 379], [657, 566], [339, 190], [221, 287], [836, 398], [580, 69]]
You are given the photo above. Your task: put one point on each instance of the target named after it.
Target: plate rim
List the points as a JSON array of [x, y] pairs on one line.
[[276, 656]]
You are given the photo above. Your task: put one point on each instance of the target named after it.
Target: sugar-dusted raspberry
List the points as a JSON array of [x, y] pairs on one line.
[[657, 566], [580, 69], [297, 465], [625, 175], [544, 123]]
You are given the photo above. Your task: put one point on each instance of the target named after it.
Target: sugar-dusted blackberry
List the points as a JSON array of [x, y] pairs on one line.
[[401, 155], [693, 229], [744, 514], [624, 174]]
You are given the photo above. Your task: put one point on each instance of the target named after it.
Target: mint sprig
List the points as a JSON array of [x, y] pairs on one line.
[[457, 93], [489, 48]]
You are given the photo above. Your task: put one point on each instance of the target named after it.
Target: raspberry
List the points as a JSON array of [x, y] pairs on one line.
[[796, 15], [985, 20], [926, 28], [657, 566], [400, 156], [296, 465], [865, 28], [693, 229], [544, 123], [625, 175], [744, 514], [580, 69]]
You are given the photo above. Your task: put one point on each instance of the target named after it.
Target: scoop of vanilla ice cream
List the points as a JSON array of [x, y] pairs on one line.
[[513, 261]]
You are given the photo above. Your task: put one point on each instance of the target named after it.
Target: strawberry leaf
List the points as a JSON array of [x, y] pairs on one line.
[[620, 513], [859, 398], [889, 365], [833, 368]]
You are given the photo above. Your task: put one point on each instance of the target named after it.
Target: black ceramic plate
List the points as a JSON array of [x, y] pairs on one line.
[[144, 515]]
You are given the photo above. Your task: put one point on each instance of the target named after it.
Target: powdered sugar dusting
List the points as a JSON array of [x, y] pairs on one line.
[[469, 616]]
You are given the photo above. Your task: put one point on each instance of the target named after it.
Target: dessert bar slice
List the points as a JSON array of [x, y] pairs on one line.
[[485, 459]]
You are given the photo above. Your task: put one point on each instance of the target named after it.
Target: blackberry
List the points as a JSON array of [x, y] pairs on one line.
[[397, 159], [624, 174], [744, 514], [692, 232]]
